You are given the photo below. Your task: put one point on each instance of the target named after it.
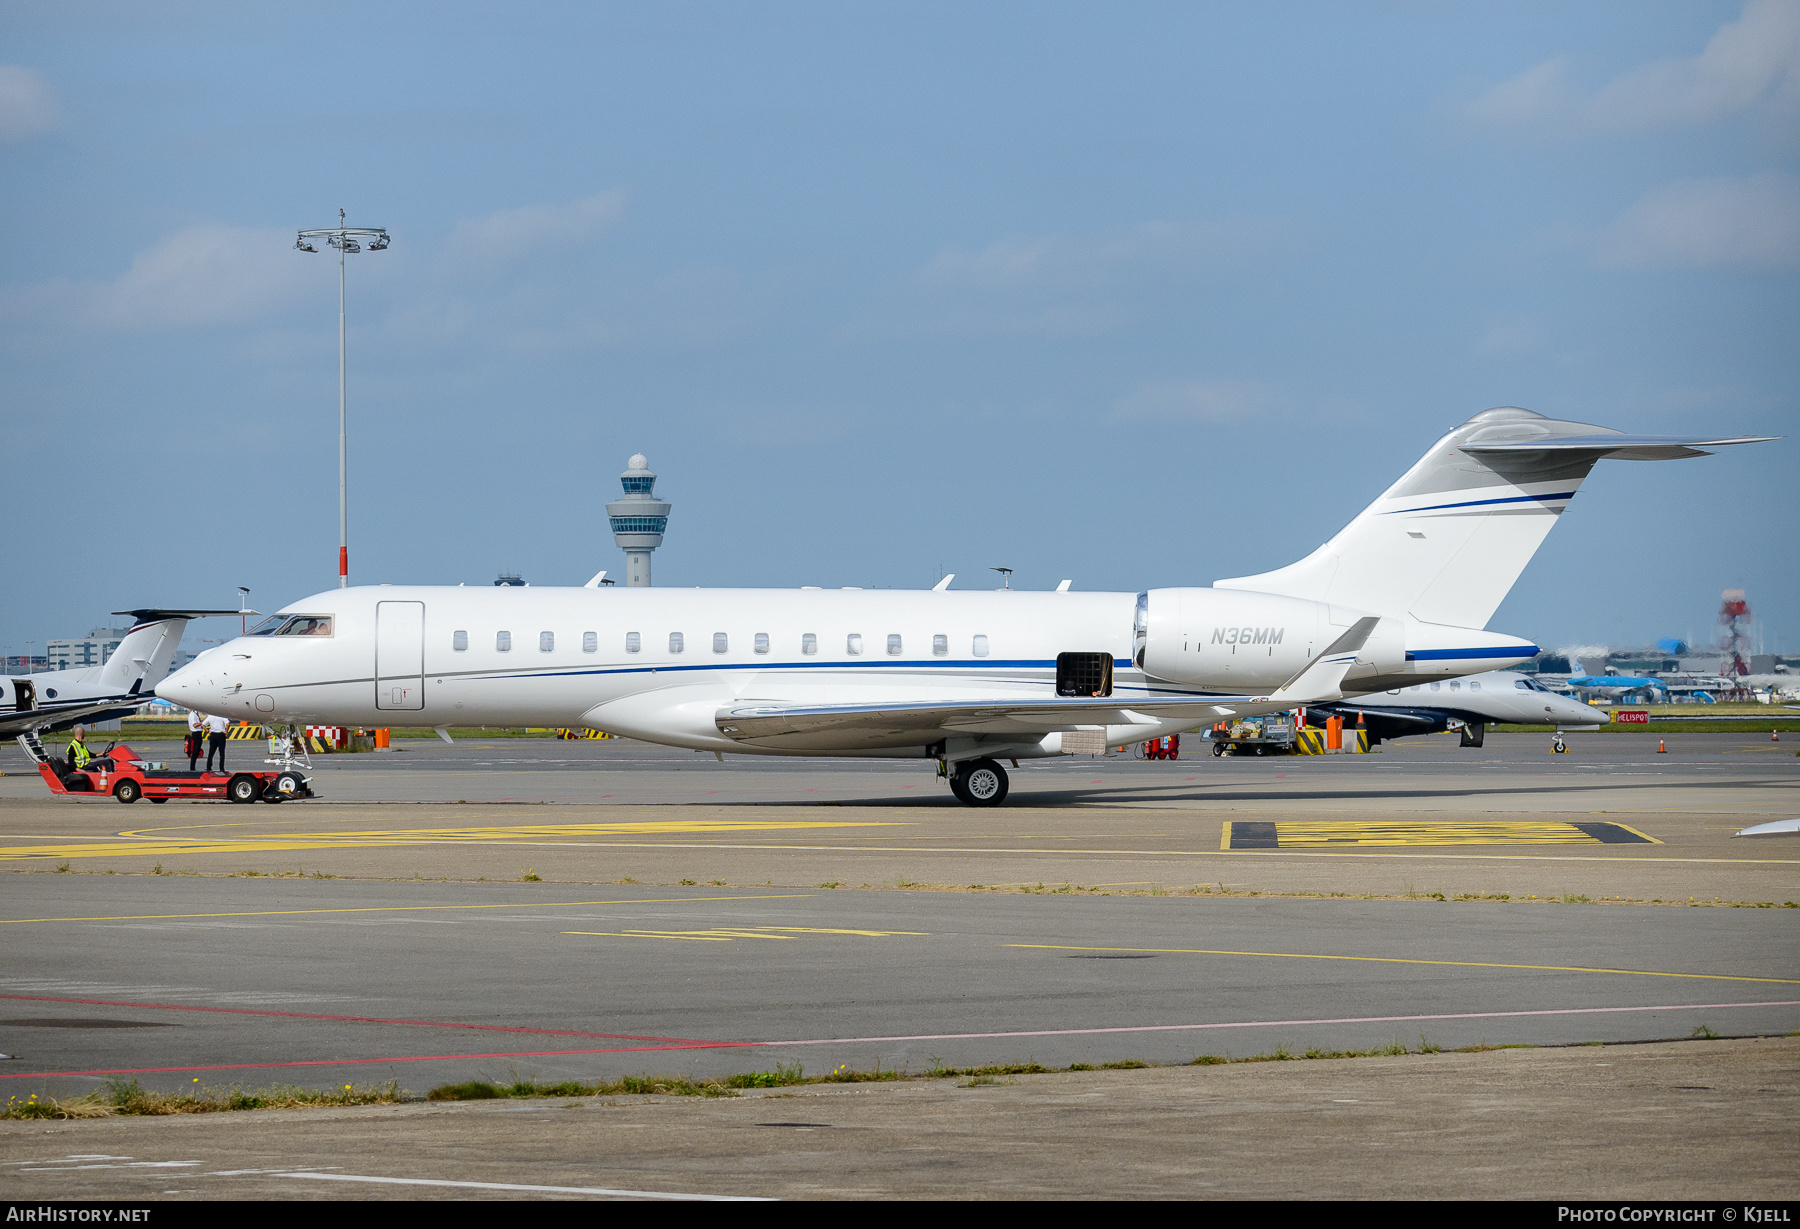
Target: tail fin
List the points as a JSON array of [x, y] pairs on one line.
[[1446, 542], [143, 657]]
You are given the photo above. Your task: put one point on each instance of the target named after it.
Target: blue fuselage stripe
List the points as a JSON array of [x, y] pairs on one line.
[[1477, 503]]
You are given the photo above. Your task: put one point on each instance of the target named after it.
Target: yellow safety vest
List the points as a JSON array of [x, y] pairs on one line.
[[79, 755]]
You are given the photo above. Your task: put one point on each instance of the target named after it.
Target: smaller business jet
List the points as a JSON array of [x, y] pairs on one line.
[[57, 699], [1471, 703]]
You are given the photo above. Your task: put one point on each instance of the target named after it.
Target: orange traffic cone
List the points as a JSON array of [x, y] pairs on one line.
[[1660, 749], [1774, 736]]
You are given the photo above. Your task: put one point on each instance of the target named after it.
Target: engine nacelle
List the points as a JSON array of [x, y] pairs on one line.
[[1236, 641]]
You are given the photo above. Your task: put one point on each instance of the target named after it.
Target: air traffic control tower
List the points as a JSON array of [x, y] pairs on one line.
[[638, 520]]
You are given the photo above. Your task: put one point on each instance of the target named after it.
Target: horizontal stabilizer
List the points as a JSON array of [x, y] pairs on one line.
[[152, 614], [1619, 446]]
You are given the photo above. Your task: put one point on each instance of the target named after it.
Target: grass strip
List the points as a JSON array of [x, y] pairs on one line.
[[123, 1097]]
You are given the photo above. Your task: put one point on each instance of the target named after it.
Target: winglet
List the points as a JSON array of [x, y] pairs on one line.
[[598, 577], [1323, 677], [944, 583], [1064, 586]]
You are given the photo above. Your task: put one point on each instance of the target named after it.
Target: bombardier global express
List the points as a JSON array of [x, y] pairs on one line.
[[1400, 596]]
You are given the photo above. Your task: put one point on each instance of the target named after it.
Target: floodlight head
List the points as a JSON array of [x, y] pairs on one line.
[[303, 245], [379, 244], [351, 245]]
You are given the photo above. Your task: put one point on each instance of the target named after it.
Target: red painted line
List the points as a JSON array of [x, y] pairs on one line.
[[403, 1058], [1183, 1028], [744, 1045], [301, 1015]]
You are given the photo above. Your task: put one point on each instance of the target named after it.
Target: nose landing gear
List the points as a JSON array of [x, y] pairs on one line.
[[979, 783]]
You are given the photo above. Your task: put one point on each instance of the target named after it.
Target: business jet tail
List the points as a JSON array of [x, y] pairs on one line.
[[1445, 543], [143, 658]]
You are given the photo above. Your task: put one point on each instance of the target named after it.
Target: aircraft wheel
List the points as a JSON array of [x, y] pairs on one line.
[[960, 790], [127, 791], [290, 785], [242, 789], [984, 784]]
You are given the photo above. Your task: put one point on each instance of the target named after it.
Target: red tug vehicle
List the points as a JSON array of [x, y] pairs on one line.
[[118, 771]]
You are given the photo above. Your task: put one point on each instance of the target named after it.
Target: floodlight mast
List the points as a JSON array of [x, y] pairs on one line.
[[345, 239]]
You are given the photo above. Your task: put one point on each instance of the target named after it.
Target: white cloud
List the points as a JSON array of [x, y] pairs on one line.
[[1709, 223], [1200, 401], [1063, 285], [27, 106], [1753, 59], [499, 242], [203, 275]]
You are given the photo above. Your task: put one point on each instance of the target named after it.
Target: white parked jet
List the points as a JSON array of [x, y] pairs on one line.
[[55, 699], [1469, 703], [1400, 596]]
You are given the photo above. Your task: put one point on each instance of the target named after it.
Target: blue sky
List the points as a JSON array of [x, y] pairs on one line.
[[1138, 295]]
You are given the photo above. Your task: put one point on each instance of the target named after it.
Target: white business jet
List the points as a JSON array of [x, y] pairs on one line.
[[1400, 596], [56, 699], [1468, 704]]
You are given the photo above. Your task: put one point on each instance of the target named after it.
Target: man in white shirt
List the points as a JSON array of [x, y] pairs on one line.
[[215, 741], [196, 736]]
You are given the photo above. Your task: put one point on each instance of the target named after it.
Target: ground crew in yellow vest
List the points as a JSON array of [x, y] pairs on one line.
[[79, 754]]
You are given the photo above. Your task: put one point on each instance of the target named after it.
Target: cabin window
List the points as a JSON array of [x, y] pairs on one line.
[[1435, 686], [633, 642], [853, 645], [893, 646], [762, 642], [590, 642], [502, 642], [459, 641], [940, 646], [546, 642], [1474, 686], [980, 646], [721, 642], [676, 643], [1455, 686], [809, 644]]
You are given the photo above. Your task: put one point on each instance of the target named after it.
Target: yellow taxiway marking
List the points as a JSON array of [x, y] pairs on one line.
[[543, 904], [1460, 964], [140, 845], [1314, 833], [724, 934]]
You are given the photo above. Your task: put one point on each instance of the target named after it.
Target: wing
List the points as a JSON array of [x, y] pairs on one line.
[[821, 726]]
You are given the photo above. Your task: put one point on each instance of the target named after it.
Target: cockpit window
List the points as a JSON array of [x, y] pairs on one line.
[[306, 625], [268, 626]]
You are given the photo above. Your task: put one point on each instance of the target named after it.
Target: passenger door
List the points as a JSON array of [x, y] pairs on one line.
[[400, 655]]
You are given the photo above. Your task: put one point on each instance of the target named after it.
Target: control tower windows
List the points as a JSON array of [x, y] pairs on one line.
[[590, 642], [853, 645], [633, 642], [502, 642], [676, 642], [762, 642], [546, 642], [459, 641], [980, 646], [809, 644], [721, 642], [940, 646], [893, 646]]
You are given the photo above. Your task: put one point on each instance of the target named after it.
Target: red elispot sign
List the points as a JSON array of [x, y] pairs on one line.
[[1632, 716]]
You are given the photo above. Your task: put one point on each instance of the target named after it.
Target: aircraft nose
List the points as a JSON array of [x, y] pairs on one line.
[[176, 685]]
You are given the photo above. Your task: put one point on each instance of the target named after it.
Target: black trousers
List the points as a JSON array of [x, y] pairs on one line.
[[195, 741], [215, 745]]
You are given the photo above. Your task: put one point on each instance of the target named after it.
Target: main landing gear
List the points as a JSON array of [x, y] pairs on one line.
[[979, 783]]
